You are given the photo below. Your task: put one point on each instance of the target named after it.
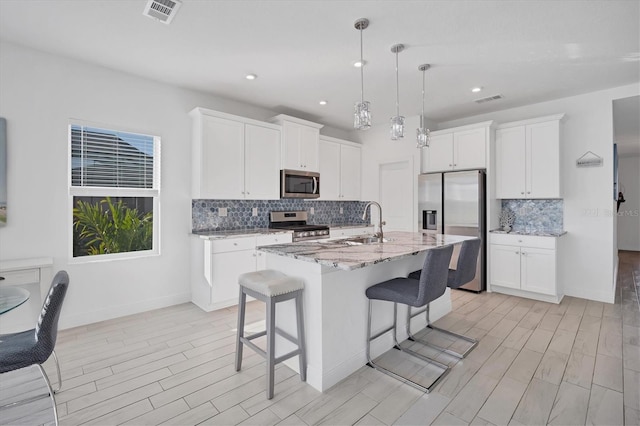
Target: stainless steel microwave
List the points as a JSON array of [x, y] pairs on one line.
[[299, 184]]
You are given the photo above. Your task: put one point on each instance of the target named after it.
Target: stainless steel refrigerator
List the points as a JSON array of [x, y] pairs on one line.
[[455, 202]]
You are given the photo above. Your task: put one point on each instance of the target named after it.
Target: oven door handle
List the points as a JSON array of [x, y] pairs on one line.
[[315, 185]]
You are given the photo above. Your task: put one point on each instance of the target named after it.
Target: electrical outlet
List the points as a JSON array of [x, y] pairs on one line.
[[312, 210], [222, 211], [254, 211], [341, 210]]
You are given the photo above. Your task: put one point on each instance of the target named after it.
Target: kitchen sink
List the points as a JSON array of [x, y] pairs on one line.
[[357, 241]]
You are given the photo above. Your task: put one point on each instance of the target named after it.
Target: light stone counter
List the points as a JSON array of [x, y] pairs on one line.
[[343, 255], [238, 233]]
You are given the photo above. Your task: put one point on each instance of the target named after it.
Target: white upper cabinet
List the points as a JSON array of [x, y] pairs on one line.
[[299, 143], [234, 157], [528, 158], [460, 148], [340, 169]]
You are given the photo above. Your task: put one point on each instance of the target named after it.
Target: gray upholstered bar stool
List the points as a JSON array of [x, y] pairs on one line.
[[417, 293], [465, 272], [271, 287]]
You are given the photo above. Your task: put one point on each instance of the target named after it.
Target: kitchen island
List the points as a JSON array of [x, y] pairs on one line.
[[336, 275]]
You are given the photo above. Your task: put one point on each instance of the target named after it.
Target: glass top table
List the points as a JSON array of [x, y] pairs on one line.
[[12, 297]]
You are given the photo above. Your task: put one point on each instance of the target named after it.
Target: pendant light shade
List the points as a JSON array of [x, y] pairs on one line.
[[362, 112], [397, 122], [423, 136]]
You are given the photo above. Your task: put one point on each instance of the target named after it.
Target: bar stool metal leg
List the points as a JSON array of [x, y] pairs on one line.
[[271, 346], [410, 315], [240, 331], [445, 368], [302, 357]]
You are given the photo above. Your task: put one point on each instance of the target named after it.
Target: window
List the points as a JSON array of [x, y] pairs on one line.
[[115, 190]]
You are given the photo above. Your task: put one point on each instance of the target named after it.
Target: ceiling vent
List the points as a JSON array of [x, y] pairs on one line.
[[488, 99], [162, 10]]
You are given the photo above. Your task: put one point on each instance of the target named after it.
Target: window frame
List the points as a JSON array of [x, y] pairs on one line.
[[92, 191]]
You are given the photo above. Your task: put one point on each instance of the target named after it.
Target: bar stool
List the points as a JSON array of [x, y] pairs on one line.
[[271, 287], [417, 293], [465, 272]]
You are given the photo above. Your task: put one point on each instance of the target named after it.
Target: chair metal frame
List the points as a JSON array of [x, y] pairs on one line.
[[371, 363]]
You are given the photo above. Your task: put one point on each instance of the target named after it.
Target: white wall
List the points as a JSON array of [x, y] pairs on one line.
[[588, 265], [378, 148], [629, 214], [39, 94]]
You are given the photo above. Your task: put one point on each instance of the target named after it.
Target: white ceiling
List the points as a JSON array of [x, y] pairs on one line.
[[302, 51]]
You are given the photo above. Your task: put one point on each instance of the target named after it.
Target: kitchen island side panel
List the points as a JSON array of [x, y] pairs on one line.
[[335, 314]]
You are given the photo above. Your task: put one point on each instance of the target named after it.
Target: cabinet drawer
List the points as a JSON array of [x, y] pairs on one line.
[[233, 244], [267, 240], [523, 240], [25, 276]]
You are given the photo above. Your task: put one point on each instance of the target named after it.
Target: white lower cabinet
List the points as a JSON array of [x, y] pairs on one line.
[[524, 265], [226, 259]]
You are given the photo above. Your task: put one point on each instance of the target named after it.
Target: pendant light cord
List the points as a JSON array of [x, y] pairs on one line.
[[422, 116], [397, 87], [361, 70]]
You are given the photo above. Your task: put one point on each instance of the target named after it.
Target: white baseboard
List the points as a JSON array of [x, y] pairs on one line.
[[119, 311]]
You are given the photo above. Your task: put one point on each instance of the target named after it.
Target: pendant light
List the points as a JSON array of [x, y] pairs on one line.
[[423, 136], [397, 122], [362, 114]]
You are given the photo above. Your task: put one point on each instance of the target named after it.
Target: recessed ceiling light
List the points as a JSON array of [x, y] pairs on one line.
[[476, 89], [323, 102], [250, 76], [359, 63]]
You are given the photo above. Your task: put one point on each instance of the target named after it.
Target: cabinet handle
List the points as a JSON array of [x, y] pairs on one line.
[[524, 253], [528, 192], [235, 244], [254, 255], [454, 165], [517, 252], [522, 193], [248, 193], [450, 165], [1, 278]]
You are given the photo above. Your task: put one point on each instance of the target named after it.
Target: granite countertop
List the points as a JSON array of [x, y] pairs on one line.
[[339, 254], [532, 233], [238, 233]]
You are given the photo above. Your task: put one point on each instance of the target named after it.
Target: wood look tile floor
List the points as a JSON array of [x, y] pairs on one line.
[[537, 363]]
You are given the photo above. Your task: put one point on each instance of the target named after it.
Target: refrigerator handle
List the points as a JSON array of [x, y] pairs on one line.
[[481, 204]]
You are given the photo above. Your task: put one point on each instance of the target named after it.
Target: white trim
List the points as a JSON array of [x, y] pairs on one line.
[[278, 119], [340, 141], [558, 117], [199, 111], [474, 126]]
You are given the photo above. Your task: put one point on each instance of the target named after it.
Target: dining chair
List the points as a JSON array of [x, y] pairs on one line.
[[35, 346]]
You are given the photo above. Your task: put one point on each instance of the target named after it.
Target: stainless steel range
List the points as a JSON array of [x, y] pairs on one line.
[[296, 221]]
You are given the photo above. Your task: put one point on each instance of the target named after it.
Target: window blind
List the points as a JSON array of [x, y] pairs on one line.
[[108, 158]]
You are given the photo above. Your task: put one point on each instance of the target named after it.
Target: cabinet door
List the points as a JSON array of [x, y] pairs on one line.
[[543, 160], [510, 162], [538, 270], [439, 155], [350, 168], [505, 266], [291, 146], [309, 148], [222, 173], [329, 170], [262, 163], [469, 149], [226, 268]]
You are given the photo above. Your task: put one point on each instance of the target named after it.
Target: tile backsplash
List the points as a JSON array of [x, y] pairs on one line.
[[536, 215], [205, 215]]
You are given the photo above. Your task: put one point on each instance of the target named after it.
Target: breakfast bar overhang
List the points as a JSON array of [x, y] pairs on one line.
[[336, 275]]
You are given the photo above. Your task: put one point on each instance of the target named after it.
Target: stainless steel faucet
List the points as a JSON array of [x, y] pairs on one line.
[[378, 234]]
